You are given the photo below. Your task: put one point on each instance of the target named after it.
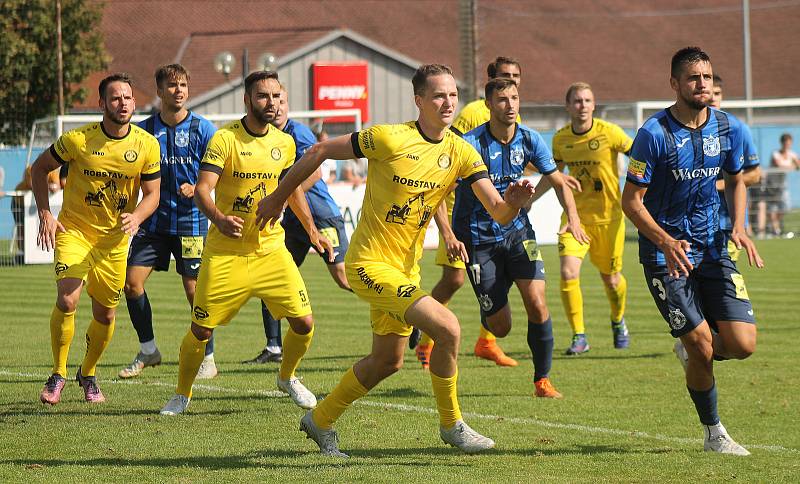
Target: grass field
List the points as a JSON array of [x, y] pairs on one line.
[[626, 415]]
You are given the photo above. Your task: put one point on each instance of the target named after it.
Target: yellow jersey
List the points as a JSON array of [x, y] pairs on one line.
[[592, 158], [104, 177], [407, 177], [248, 166]]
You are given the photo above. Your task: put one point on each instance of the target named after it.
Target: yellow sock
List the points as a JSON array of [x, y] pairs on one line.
[[572, 299], [616, 298], [97, 338], [444, 389], [346, 392], [294, 347], [486, 334], [424, 339], [192, 353], [62, 329]]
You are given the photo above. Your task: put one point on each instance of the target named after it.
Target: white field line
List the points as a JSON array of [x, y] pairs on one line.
[[416, 409]]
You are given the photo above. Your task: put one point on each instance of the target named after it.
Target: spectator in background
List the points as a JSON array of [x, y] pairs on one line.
[[328, 167], [772, 193], [355, 171], [785, 158]]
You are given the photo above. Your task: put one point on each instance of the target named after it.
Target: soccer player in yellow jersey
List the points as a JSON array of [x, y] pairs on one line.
[[108, 163], [471, 116], [589, 147], [411, 167], [243, 163]]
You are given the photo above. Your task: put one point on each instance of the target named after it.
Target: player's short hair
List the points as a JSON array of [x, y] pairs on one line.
[[685, 57], [491, 69], [575, 87], [497, 84], [718, 81], [256, 76], [116, 77], [170, 72], [785, 137], [423, 72]]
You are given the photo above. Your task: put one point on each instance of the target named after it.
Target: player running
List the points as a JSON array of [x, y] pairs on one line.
[[108, 162], [589, 147], [327, 218], [242, 164], [411, 167], [177, 228], [671, 197], [499, 255], [471, 116]]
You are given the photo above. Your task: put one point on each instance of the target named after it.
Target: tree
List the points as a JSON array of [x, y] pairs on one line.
[[28, 71]]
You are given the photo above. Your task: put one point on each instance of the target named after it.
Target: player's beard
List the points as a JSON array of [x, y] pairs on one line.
[[695, 104], [119, 119], [264, 117]]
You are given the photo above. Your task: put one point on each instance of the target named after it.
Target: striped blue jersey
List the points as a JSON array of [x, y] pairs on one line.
[[679, 166], [750, 161], [472, 224], [182, 148], [319, 200]]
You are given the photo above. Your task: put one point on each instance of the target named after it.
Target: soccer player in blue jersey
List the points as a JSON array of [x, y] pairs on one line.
[[177, 227], [751, 171], [496, 255], [671, 197], [327, 218]]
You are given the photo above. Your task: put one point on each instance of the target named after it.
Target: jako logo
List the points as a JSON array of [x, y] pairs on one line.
[[335, 93], [686, 174]]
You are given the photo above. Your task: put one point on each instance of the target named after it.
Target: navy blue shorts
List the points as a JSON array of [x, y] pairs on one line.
[[298, 243], [493, 268], [154, 250], [714, 291]]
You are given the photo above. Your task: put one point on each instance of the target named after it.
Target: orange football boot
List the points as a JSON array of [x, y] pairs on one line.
[[545, 389], [489, 350]]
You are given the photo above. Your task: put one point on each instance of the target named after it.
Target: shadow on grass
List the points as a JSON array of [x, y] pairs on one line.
[[617, 356], [43, 411]]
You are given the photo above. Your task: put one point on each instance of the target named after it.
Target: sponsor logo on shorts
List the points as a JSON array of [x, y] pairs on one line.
[[200, 313], [118, 296], [677, 320], [194, 266], [406, 290], [485, 302], [61, 267], [371, 284]]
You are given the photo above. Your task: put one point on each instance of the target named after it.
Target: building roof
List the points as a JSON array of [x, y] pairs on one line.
[[621, 47]]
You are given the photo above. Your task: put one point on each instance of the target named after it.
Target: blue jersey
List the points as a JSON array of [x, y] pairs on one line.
[[472, 224], [750, 161], [679, 166], [182, 148], [319, 200]]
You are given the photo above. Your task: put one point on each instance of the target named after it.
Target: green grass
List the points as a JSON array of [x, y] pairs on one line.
[[239, 431]]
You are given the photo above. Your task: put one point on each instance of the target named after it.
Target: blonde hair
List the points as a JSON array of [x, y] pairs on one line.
[[575, 87]]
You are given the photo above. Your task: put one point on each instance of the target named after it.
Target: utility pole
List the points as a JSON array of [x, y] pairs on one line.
[[59, 60], [468, 48], [748, 68]]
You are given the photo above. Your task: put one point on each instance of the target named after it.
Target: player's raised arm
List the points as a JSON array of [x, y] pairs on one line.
[[48, 224], [674, 250], [270, 208], [502, 209]]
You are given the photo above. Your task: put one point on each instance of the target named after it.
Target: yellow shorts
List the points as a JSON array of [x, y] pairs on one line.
[[443, 260], [607, 241], [389, 293], [733, 252], [102, 269], [227, 282]]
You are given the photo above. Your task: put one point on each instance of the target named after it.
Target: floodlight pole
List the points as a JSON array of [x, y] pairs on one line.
[[748, 74], [59, 60]]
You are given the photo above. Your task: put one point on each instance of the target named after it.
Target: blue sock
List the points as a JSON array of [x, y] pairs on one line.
[[540, 341], [272, 327], [210, 345], [141, 317], [705, 401]]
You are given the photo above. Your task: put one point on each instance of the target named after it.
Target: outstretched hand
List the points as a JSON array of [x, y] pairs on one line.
[[519, 193], [48, 226]]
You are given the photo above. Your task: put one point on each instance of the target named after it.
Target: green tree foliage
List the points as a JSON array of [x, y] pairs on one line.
[[28, 69]]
